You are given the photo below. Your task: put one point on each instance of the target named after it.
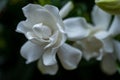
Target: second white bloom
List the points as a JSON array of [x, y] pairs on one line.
[[96, 40]]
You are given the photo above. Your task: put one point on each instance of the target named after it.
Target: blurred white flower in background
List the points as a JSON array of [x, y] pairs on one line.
[[97, 40], [45, 32]]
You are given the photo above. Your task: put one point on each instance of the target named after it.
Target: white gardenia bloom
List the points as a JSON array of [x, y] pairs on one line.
[[44, 30], [96, 40]]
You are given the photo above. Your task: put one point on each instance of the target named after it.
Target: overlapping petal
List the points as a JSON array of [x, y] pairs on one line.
[[40, 15], [49, 56], [115, 27], [31, 51], [24, 27], [60, 40], [108, 45], [53, 39], [108, 64], [117, 48], [106, 40], [55, 12], [47, 69], [102, 35], [100, 18], [33, 38], [76, 28], [69, 56], [30, 8]]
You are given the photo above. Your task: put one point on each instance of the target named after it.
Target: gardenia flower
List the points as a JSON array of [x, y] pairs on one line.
[[97, 40], [44, 30]]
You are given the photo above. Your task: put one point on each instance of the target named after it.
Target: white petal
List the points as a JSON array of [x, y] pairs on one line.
[[69, 56], [102, 35], [23, 27], [61, 40], [53, 39], [31, 51], [30, 8], [57, 40], [40, 15], [33, 38], [76, 28], [47, 69], [48, 15], [108, 45], [61, 29], [53, 10], [66, 9], [108, 64], [100, 18], [117, 48], [49, 56], [55, 13], [42, 31], [115, 27], [106, 40], [43, 16]]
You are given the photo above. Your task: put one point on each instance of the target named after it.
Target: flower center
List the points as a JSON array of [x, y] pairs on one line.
[[91, 44], [42, 31]]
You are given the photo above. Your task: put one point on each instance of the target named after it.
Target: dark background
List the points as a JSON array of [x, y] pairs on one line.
[[12, 64]]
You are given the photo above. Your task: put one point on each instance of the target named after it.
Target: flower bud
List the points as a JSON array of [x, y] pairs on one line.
[[110, 6]]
